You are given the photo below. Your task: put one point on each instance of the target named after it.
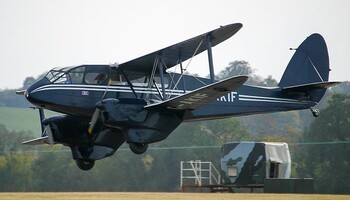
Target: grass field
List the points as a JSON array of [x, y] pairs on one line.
[[22, 119], [165, 196]]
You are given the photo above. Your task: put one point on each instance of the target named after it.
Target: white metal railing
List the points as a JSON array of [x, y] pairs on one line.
[[196, 172]]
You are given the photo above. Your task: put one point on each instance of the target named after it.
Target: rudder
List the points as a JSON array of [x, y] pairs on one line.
[[309, 64]]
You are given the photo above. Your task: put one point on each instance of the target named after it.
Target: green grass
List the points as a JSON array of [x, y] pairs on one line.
[[165, 196], [21, 119]]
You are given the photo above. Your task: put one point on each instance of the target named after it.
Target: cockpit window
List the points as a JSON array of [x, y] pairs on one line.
[[95, 78], [63, 79], [54, 75], [66, 75]]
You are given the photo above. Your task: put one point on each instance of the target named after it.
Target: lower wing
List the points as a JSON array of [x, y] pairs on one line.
[[201, 96]]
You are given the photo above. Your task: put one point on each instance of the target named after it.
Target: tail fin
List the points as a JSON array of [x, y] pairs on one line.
[[308, 69], [309, 64]]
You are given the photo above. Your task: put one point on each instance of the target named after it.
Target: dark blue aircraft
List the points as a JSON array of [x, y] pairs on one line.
[[139, 102]]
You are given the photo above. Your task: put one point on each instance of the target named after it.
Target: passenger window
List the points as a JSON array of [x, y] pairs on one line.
[[95, 78], [117, 79], [143, 81], [76, 76], [138, 81]]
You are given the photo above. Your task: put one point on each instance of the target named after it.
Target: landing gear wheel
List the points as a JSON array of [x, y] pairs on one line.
[[315, 112], [85, 164], [138, 148]]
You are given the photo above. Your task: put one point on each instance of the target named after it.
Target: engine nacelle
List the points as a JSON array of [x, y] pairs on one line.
[[140, 126], [123, 112], [69, 130]]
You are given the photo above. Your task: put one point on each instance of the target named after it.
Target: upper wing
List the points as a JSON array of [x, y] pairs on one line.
[[201, 96], [181, 51]]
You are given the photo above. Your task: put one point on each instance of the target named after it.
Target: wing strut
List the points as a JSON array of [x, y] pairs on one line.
[[210, 59], [184, 69], [183, 78], [129, 83], [160, 66], [151, 78]]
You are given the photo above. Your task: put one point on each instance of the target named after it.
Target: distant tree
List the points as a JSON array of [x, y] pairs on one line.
[[329, 163], [15, 166], [226, 130], [270, 82], [235, 68], [28, 82], [241, 67], [9, 98]]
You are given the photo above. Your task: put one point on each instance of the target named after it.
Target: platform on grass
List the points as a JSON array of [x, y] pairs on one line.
[[220, 188]]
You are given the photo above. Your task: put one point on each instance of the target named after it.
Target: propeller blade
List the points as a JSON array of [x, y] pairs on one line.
[[98, 111], [104, 94], [94, 120], [49, 134]]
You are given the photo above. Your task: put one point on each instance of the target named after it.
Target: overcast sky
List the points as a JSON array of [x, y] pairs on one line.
[[38, 35]]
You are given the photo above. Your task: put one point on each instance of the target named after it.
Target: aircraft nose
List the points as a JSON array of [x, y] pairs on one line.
[[26, 94], [31, 93]]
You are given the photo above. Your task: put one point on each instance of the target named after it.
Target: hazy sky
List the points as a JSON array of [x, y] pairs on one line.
[[38, 35]]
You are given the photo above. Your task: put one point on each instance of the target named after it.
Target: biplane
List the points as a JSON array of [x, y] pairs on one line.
[[140, 102]]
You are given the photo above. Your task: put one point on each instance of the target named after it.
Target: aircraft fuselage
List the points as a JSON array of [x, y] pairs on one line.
[[80, 99]]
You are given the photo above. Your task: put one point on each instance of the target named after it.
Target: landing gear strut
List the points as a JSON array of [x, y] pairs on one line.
[[85, 164], [315, 112], [138, 148]]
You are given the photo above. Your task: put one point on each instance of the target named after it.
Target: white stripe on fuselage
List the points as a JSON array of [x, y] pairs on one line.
[[234, 96], [229, 97], [268, 99], [104, 88]]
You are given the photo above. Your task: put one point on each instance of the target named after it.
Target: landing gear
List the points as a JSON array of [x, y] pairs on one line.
[[315, 112], [138, 148], [85, 164]]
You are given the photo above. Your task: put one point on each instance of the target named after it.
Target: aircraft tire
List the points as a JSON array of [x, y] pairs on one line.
[[315, 112], [138, 148], [85, 164]]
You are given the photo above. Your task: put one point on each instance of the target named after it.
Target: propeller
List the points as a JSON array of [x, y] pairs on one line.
[[94, 120], [97, 112], [49, 134], [46, 128]]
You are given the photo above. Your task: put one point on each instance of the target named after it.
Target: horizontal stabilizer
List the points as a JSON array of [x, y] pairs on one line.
[[310, 86], [201, 96], [37, 141]]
